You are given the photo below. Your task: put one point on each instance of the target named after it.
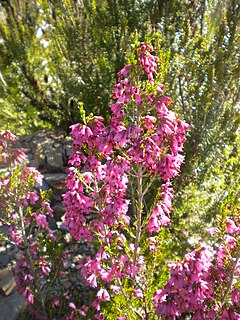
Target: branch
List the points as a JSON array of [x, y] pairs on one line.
[[231, 279], [181, 94], [139, 214], [202, 17]]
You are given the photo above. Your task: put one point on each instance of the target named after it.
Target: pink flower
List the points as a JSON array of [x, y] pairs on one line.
[[76, 159], [231, 242], [170, 166], [231, 226], [8, 135], [122, 73], [92, 280], [150, 98], [161, 106], [55, 303], [99, 316], [212, 231], [160, 88], [221, 255], [35, 174], [72, 305], [115, 289], [103, 295], [28, 277], [153, 225], [138, 99], [30, 298], [157, 219], [148, 61], [96, 304], [27, 294], [149, 122], [152, 244], [45, 270], [236, 297], [97, 203], [88, 177], [138, 293], [117, 110], [33, 197], [15, 235], [41, 220]]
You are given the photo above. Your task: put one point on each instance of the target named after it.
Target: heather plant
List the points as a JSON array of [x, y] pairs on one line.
[[42, 261], [120, 192], [205, 285]]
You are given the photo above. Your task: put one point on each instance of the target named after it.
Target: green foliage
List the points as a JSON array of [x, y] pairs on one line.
[[203, 79], [57, 54]]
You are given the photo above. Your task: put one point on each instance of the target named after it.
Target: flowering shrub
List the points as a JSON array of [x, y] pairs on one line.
[[113, 173], [40, 266], [206, 284]]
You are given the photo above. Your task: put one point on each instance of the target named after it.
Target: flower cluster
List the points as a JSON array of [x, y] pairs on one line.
[[100, 203], [204, 285], [148, 61]]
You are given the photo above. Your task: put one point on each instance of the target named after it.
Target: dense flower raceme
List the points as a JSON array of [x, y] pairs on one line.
[[9, 155], [206, 284], [142, 143], [26, 213]]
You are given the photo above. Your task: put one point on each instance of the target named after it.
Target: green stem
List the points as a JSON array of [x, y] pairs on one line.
[[26, 249], [139, 213], [229, 284], [231, 280]]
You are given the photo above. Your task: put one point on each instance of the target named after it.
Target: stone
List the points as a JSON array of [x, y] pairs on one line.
[[4, 229], [2, 249], [58, 210], [54, 179], [34, 163], [54, 159], [7, 285], [4, 273], [11, 306], [7, 282], [69, 150], [4, 259]]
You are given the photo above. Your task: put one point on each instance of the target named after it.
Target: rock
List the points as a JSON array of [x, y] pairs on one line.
[[58, 210], [4, 259], [55, 159], [7, 285], [11, 306], [4, 229], [2, 248], [69, 150], [7, 282], [55, 180]]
